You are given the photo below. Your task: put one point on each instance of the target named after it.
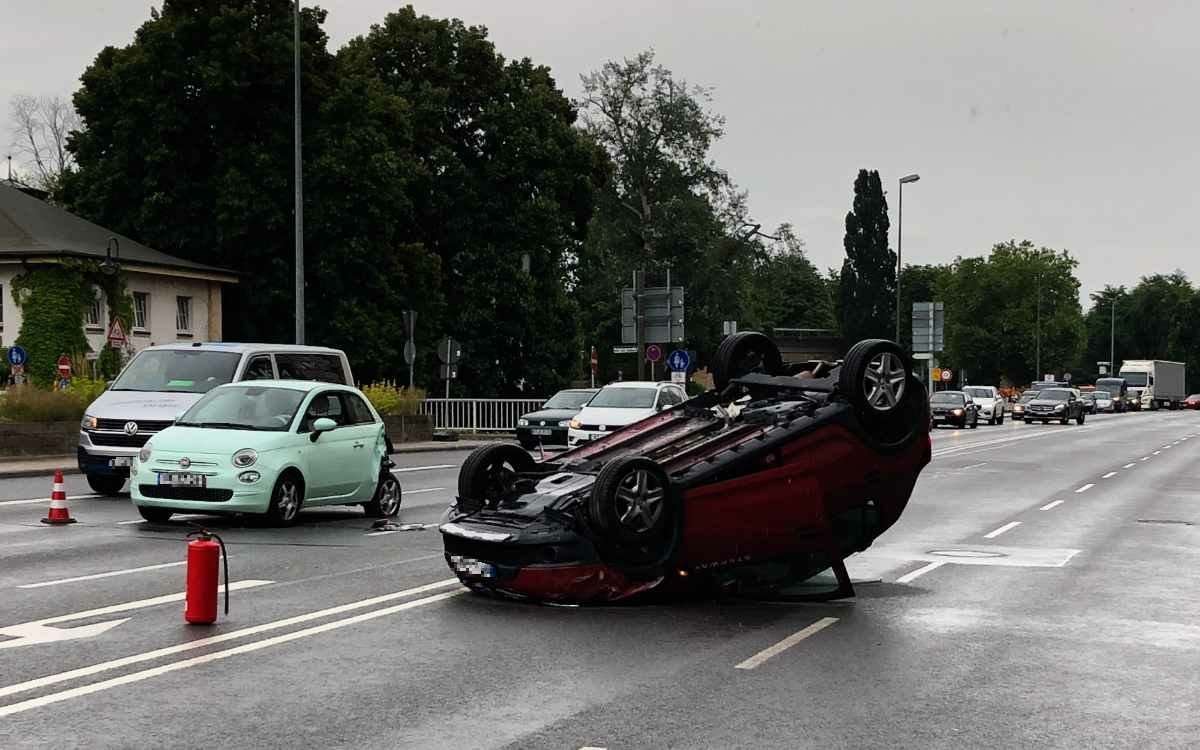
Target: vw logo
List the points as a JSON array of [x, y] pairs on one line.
[[131, 428], [185, 462]]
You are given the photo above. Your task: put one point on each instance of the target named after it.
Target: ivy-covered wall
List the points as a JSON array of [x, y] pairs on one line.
[[52, 299]]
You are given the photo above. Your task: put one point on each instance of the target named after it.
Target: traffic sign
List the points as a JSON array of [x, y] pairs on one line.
[[595, 360], [653, 353], [947, 375], [937, 373], [64, 366], [624, 349], [449, 351], [116, 333], [679, 361], [410, 352], [449, 372], [678, 376], [18, 369], [17, 356]]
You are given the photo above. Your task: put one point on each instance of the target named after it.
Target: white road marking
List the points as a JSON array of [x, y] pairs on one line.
[[145, 674], [1109, 475], [1166, 447], [140, 603], [109, 574], [73, 674], [126, 523], [778, 648], [1127, 466], [1145, 458], [32, 633], [1155, 453], [46, 500], [973, 466], [427, 489], [908, 577], [1006, 527], [1084, 488], [424, 468], [1049, 506]]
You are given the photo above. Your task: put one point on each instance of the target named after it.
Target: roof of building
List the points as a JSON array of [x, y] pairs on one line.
[[31, 229]]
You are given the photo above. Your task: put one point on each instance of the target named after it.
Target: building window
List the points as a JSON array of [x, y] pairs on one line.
[[183, 314], [141, 311], [93, 312]]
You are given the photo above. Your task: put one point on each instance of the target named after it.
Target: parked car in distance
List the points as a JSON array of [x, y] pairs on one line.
[[268, 448], [954, 408], [1192, 401], [1089, 402], [161, 382], [549, 424], [991, 403], [1018, 410], [619, 404], [1061, 404]]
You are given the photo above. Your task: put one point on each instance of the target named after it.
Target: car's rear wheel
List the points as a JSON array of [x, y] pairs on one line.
[[155, 515], [489, 473], [386, 502], [744, 353], [105, 484], [876, 378], [286, 499], [631, 502]]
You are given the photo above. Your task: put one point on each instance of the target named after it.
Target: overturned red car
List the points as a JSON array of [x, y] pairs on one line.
[[778, 473]]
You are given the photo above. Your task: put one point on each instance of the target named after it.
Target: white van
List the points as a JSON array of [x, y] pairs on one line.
[[161, 382]]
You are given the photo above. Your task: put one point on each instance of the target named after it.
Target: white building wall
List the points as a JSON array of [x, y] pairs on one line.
[[161, 328]]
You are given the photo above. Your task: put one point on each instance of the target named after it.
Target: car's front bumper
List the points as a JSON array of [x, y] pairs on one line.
[[579, 437], [223, 492], [949, 419]]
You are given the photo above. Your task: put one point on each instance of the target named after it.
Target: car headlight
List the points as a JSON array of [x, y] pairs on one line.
[[957, 412], [565, 423], [1060, 407], [144, 453], [245, 457], [88, 422], [575, 424], [522, 423], [249, 477]]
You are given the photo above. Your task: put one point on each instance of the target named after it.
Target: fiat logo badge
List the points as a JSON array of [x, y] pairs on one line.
[[185, 462], [131, 428]]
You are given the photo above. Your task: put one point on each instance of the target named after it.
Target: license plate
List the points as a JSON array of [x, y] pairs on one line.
[[541, 431], [121, 461], [175, 479], [597, 435], [471, 567]]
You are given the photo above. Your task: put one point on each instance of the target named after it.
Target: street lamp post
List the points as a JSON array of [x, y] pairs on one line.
[[1037, 367], [1112, 341], [899, 244], [299, 210]]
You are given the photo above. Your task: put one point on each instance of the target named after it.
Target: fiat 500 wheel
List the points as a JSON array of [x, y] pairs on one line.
[[286, 499], [489, 473], [386, 502]]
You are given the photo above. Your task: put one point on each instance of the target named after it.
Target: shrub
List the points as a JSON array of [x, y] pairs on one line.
[[86, 390], [27, 403], [391, 400]]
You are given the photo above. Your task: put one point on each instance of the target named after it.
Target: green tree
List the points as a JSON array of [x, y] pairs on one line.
[[867, 286], [785, 289], [51, 299], [920, 284], [1108, 328]]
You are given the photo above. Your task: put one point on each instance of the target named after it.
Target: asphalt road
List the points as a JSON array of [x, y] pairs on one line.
[[1040, 591]]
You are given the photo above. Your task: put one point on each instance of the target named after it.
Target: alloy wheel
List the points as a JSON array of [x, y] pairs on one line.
[[884, 381], [389, 497], [639, 501], [288, 502]]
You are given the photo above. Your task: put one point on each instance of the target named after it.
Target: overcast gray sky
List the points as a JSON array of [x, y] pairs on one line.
[[1070, 123]]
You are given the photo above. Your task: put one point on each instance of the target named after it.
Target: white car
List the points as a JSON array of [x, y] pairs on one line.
[[620, 404], [991, 403]]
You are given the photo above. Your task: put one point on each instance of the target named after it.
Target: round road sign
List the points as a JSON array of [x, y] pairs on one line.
[[679, 361], [16, 355], [947, 375], [410, 352], [653, 353]]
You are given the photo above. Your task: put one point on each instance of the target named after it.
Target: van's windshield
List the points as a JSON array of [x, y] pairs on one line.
[[178, 371]]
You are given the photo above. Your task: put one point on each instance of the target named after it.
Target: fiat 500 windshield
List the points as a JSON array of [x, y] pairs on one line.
[[245, 408]]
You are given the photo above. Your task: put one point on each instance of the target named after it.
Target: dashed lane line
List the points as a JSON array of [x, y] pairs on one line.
[[762, 656], [109, 574], [1145, 458], [1084, 488], [1109, 475], [1006, 527], [909, 577], [1051, 506], [36, 500], [424, 468], [1127, 466], [1155, 453]]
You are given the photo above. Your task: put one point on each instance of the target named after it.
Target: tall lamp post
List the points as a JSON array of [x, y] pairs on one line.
[[899, 244], [1037, 367], [1112, 341], [299, 210]]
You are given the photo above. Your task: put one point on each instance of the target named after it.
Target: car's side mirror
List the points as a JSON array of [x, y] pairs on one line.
[[324, 424]]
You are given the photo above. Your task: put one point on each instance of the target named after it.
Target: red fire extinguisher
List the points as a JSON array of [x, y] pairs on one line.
[[203, 572]]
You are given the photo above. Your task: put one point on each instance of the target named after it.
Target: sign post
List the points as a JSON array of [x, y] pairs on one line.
[[679, 362], [64, 371], [16, 359], [449, 352], [116, 334], [595, 365], [410, 347]]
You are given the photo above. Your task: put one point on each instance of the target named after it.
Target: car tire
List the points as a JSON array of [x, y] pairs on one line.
[[1064, 420], [876, 378], [106, 484], [1001, 419], [155, 515], [631, 502], [385, 503], [488, 473], [286, 498], [744, 353], [1080, 419], [975, 422]]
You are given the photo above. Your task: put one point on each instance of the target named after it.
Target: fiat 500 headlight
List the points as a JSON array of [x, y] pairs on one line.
[[245, 457]]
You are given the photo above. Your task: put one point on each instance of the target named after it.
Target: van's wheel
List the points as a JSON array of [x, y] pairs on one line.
[[744, 353], [386, 501], [286, 499], [105, 484], [489, 473], [631, 501]]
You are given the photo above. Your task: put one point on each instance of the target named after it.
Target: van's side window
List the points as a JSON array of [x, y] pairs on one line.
[[326, 368], [259, 368]]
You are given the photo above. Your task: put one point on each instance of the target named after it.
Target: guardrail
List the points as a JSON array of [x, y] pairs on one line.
[[478, 414]]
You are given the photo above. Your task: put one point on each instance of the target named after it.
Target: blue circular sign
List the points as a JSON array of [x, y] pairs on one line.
[[17, 355], [679, 361]]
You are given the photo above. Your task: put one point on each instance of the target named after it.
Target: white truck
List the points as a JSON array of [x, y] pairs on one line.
[[1154, 383]]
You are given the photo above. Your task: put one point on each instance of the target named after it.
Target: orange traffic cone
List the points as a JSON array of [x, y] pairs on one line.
[[59, 513]]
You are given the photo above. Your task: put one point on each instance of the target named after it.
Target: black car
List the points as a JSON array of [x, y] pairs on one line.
[[954, 408], [548, 425], [1089, 402], [1061, 404]]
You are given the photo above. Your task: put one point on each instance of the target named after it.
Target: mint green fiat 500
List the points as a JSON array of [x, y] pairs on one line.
[[268, 447]]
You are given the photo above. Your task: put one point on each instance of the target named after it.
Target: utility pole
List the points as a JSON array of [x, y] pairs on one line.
[[899, 245], [1112, 341], [299, 210], [639, 279], [1038, 357]]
